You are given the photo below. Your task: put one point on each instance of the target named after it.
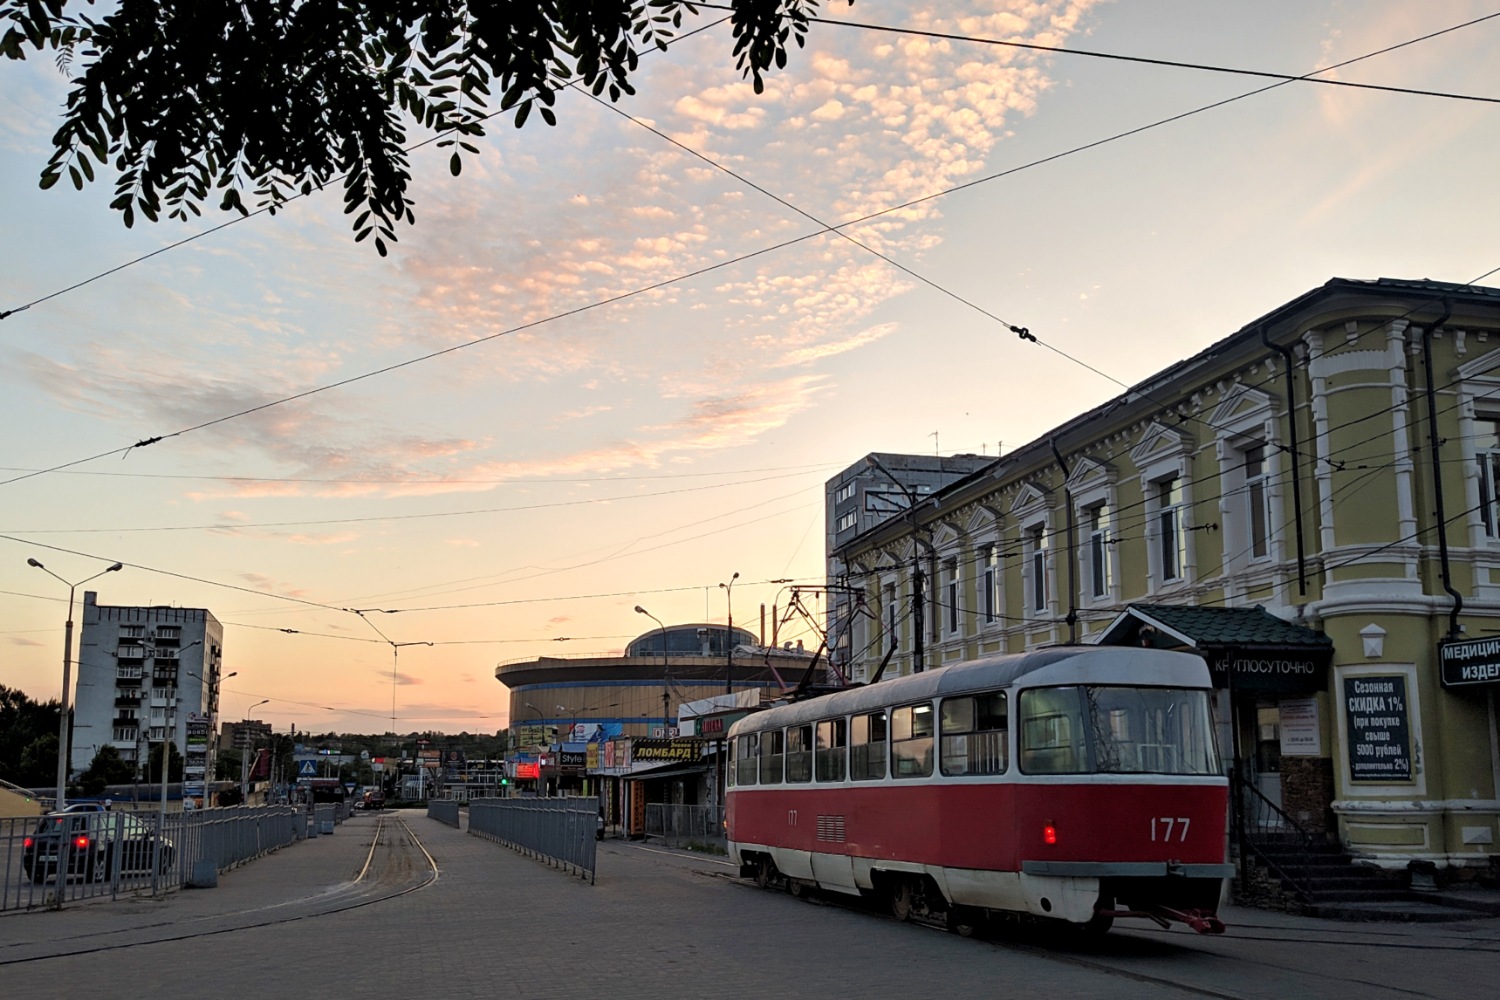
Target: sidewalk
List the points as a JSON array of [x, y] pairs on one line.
[[310, 876], [1466, 902]]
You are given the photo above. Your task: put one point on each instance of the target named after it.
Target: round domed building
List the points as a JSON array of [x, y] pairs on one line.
[[561, 707]]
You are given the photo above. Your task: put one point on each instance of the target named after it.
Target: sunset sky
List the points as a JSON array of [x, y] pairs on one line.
[[518, 497]]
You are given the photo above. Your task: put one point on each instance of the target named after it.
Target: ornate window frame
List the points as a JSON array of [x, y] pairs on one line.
[[1247, 418], [1165, 453], [1031, 510], [1092, 487]]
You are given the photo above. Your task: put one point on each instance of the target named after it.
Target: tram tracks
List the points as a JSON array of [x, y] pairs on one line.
[[396, 864], [1109, 955]]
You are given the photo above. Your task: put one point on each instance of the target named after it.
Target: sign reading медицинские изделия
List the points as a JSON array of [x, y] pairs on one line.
[[1470, 661]]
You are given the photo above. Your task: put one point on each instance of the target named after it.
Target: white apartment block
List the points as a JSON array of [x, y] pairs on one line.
[[143, 675]]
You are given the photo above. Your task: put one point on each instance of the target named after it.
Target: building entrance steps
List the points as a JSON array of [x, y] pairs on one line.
[[1322, 880]]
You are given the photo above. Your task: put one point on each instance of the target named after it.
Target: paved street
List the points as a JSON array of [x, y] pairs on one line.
[[332, 916]]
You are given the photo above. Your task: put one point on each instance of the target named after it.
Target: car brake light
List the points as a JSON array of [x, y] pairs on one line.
[[1049, 834], [80, 841], [27, 842]]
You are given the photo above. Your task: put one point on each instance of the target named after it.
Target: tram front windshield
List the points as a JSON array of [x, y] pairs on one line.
[[1090, 729]]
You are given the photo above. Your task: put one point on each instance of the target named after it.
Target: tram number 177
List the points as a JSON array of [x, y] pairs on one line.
[[1162, 828]]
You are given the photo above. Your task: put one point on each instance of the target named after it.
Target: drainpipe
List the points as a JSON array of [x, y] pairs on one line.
[[1291, 419], [1437, 472], [1072, 618]]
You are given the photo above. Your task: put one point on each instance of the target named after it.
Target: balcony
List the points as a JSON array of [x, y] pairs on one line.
[[164, 654], [131, 652], [126, 700], [124, 722], [128, 680]]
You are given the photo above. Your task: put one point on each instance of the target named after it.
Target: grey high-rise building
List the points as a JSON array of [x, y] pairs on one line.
[[146, 675]]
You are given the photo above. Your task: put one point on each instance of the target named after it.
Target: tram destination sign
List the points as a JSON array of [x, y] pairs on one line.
[[1379, 728], [1469, 662]]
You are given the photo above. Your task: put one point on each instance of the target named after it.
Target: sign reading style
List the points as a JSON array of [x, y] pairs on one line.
[[1379, 728]]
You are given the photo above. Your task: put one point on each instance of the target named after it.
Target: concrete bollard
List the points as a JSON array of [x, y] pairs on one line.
[[205, 874]]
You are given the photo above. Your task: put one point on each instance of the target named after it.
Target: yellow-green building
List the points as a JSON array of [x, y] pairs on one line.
[[1313, 503]]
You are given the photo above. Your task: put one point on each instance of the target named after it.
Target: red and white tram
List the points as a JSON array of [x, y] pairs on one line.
[[1075, 783]]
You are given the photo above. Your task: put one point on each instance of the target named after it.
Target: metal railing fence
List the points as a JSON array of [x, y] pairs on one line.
[[1260, 824], [109, 854], [444, 811], [677, 825], [559, 831]]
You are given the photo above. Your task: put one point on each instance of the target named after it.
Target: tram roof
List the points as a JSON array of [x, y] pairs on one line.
[[1041, 667]]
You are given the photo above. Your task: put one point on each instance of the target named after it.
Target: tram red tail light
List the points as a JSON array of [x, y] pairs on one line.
[[1049, 834]]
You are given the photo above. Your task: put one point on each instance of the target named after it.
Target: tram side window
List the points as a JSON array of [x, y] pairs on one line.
[[833, 745], [771, 756], [867, 734], [975, 734], [746, 759], [911, 741], [1052, 732], [799, 753]]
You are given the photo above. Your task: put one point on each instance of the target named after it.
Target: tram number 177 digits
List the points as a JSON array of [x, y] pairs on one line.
[[1163, 827]]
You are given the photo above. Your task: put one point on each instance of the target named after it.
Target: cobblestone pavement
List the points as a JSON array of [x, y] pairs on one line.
[[659, 924]]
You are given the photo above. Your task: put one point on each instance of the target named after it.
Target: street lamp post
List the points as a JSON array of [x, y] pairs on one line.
[[541, 737], [210, 687], [211, 757], [729, 638], [721, 777], [666, 682], [245, 756], [62, 726]]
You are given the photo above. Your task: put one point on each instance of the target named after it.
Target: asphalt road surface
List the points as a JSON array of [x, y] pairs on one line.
[[398, 905]]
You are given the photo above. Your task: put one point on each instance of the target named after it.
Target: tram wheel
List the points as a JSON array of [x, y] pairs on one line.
[[964, 920], [765, 873], [903, 899], [1098, 925]]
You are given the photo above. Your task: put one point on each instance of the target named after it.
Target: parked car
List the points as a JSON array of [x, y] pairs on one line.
[[90, 845]]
